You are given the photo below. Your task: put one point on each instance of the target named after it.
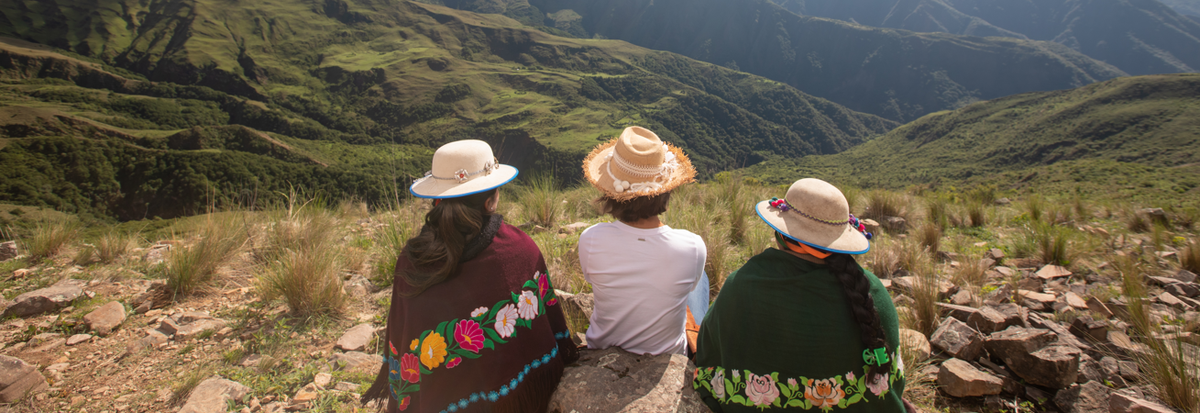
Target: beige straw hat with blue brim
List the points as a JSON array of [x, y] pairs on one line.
[[637, 164], [816, 214], [462, 168]]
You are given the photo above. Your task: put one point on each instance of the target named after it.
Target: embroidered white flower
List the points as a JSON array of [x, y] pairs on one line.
[[718, 385], [478, 312], [527, 307], [506, 320]]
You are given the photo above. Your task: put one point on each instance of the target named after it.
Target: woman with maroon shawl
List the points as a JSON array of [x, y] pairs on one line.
[[474, 324]]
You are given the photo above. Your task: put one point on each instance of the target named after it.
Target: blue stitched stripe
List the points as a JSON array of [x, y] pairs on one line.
[[562, 335], [492, 396]]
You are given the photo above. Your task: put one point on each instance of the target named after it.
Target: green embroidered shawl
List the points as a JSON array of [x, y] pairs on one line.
[[780, 336]]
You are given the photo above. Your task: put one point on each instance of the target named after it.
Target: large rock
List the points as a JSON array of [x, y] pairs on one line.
[[358, 286], [158, 295], [213, 395], [1037, 301], [989, 320], [1124, 403], [1015, 341], [958, 340], [356, 361], [1050, 272], [44, 300], [577, 307], [916, 343], [613, 380], [8, 250], [356, 338], [106, 318], [1090, 397], [960, 379], [18, 379], [1055, 366], [1087, 328]]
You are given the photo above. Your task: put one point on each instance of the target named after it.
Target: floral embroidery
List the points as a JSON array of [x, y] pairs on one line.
[[880, 385], [409, 371], [433, 350], [469, 336], [768, 390], [528, 306], [761, 389], [486, 328], [506, 321], [824, 394]]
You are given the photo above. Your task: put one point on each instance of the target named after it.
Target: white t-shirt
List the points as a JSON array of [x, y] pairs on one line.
[[641, 279]]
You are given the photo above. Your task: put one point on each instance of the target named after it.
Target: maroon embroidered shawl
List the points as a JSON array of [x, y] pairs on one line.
[[492, 337]]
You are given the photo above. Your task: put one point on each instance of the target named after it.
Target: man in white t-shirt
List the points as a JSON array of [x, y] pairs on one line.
[[642, 271]]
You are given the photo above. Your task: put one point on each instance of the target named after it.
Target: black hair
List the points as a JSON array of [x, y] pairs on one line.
[[858, 290], [448, 227]]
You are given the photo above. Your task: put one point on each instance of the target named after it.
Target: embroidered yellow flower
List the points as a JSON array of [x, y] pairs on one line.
[[413, 346], [433, 350]]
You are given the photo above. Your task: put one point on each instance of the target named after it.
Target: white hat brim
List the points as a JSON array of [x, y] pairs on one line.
[[431, 188], [812, 233]]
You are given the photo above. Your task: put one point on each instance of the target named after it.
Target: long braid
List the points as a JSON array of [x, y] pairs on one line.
[[858, 291]]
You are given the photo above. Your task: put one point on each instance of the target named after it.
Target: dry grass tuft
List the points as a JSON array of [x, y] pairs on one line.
[[113, 245], [303, 263], [882, 203], [977, 213], [541, 203], [929, 236], [49, 239], [189, 268], [1189, 256]]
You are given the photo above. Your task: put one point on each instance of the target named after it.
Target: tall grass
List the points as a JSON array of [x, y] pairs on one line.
[[1053, 244], [308, 280], [219, 238], [49, 239], [977, 212], [541, 203], [402, 222], [938, 212], [929, 235], [883, 203], [925, 299], [113, 245], [1189, 256], [1034, 207], [1170, 367]]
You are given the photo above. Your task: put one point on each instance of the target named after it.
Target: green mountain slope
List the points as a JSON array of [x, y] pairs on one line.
[[895, 74], [1138, 37], [358, 92], [1134, 134]]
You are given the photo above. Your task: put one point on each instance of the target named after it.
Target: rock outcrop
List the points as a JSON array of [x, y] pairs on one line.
[[613, 380]]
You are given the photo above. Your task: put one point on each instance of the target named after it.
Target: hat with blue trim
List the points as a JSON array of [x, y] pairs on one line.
[[463, 168], [815, 213]]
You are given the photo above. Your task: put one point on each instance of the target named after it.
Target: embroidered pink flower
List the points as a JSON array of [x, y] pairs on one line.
[[506, 320], [409, 371], [453, 362], [879, 385], [527, 307], [718, 385], [393, 348], [850, 376], [761, 389], [824, 394], [478, 312], [468, 335], [736, 375], [543, 283], [404, 403], [792, 383]]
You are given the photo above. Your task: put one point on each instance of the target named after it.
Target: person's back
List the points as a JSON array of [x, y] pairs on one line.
[[642, 271], [640, 279]]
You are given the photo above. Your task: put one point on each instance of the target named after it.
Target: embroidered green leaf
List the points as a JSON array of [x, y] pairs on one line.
[[425, 370], [796, 403], [838, 379], [737, 378], [775, 377], [784, 390], [465, 353], [412, 389], [441, 328], [737, 399], [729, 387], [530, 284], [842, 403], [521, 322], [494, 336], [487, 343], [855, 398], [516, 298], [775, 402]]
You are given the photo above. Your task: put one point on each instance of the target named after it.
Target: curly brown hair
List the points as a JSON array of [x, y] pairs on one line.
[[635, 209]]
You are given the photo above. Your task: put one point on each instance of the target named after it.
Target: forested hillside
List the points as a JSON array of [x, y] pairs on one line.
[[1138, 37], [348, 98]]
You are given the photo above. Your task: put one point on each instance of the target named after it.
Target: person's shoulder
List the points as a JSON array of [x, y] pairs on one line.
[[598, 229], [515, 235], [687, 235]]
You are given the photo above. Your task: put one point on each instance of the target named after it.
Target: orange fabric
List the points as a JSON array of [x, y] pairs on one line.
[[804, 249], [692, 329]]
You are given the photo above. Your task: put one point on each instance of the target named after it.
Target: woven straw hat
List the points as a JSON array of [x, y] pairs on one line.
[[463, 168], [635, 164], [815, 213]]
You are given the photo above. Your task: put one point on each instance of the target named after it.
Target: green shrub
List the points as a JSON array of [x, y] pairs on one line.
[[191, 267], [113, 245], [49, 238], [308, 280]]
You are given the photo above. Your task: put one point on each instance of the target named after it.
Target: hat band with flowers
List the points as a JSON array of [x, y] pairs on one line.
[[783, 205], [462, 175], [658, 175]]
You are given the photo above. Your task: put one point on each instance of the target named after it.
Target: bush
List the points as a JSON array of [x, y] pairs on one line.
[[977, 212], [308, 280], [541, 203], [1189, 256], [881, 203], [113, 245], [930, 237]]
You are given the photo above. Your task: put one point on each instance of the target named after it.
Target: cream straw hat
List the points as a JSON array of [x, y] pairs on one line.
[[463, 168], [815, 213], [635, 164]]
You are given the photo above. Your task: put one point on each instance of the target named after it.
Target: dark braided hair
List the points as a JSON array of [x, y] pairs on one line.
[[858, 291]]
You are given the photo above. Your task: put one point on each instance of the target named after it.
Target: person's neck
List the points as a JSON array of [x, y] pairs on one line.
[[645, 223]]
